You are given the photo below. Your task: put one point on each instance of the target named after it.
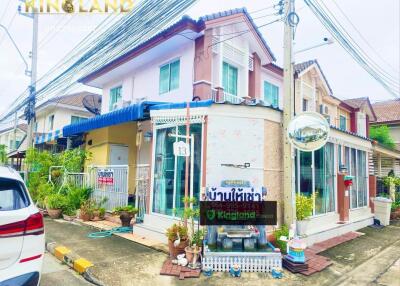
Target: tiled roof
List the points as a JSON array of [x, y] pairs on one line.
[[300, 67], [70, 99], [356, 102], [234, 12], [387, 111]]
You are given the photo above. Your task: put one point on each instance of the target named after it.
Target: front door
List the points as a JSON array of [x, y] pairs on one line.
[[119, 155]]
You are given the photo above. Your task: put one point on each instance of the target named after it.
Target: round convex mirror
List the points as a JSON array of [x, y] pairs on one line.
[[308, 131]]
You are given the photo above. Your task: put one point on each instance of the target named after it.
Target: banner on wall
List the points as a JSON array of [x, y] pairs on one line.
[[105, 176], [234, 194]]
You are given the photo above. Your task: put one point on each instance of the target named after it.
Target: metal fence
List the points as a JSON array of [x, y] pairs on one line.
[[142, 188], [79, 180], [110, 182]]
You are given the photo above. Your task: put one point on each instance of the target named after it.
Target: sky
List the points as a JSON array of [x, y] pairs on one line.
[[378, 22]]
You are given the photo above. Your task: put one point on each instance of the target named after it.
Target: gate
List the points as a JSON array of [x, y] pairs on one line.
[[142, 186], [110, 182]]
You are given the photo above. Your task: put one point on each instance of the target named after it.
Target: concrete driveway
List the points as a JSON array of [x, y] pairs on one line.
[[121, 262]]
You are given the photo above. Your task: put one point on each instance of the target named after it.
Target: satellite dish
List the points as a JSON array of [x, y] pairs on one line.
[[308, 131], [92, 102]]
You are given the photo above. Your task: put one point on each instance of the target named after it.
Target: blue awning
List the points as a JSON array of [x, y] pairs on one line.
[[133, 112], [48, 137]]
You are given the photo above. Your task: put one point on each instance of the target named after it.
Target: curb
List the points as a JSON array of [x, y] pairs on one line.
[[74, 261]]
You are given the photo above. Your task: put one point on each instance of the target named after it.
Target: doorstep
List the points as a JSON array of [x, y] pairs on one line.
[[140, 239]]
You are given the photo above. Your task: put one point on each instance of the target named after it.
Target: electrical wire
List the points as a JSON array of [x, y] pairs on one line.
[[351, 48]]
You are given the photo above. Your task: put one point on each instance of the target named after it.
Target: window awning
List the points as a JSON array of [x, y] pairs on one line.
[[133, 112], [48, 137]]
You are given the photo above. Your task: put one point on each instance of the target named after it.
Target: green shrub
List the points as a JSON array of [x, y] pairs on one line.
[[304, 207], [76, 196], [56, 201], [129, 209], [382, 135], [43, 191], [283, 231]]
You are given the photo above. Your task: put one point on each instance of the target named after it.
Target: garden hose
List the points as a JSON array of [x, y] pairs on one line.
[[108, 233]]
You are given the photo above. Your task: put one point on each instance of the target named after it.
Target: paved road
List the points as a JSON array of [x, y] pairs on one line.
[[56, 274]]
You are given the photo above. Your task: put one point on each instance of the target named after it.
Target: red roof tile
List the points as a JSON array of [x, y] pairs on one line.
[[387, 111]]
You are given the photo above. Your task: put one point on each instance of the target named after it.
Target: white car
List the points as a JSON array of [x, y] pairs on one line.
[[22, 241]]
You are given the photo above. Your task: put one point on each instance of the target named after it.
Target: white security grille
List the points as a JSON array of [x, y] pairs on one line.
[[234, 54], [248, 262], [177, 119]]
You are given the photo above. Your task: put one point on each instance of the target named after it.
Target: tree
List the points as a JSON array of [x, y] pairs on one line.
[[3, 154], [382, 135]]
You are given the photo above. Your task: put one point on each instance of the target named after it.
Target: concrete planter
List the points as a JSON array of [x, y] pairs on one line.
[[302, 226], [382, 210]]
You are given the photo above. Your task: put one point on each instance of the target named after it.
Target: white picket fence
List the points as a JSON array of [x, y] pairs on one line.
[[247, 261]]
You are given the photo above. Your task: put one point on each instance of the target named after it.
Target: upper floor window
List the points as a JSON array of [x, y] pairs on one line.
[[36, 127], [342, 122], [51, 122], [115, 97], [305, 104], [169, 77], [271, 93], [229, 78], [77, 119]]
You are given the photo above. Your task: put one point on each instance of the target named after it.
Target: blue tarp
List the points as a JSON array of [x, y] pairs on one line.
[[133, 112]]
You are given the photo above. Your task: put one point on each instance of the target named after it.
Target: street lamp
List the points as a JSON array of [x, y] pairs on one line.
[[326, 41]]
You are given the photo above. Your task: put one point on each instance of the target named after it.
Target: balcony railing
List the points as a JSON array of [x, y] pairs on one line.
[[222, 96]]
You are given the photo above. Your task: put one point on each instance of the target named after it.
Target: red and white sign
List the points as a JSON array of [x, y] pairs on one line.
[[105, 176]]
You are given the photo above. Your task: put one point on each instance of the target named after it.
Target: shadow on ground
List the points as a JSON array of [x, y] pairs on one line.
[[120, 262]]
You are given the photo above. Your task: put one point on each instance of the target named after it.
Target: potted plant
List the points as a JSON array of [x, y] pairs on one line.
[[193, 250], [126, 214], [69, 214], [304, 207], [98, 214], [177, 235], [55, 204], [86, 210]]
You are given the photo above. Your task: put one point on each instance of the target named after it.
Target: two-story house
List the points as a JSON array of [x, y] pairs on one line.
[[229, 92], [12, 138], [53, 114]]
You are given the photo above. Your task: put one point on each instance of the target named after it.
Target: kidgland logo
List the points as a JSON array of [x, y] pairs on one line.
[[78, 6]]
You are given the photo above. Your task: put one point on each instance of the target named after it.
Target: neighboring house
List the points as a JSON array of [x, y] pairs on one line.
[[385, 159], [235, 115], [55, 113], [7, 136]]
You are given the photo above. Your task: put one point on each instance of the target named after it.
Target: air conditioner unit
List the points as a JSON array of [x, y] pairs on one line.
[[118, 105], [323, 109], [126, 103]]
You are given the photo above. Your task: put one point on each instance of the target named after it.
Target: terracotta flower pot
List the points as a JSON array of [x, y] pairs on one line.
[[68, 217], [174, 251], [84, 216], [54, 213], [190, 252]]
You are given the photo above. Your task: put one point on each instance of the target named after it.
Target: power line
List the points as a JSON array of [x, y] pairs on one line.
[[8, 27], [5, 10], [363, 38], [347, 43]]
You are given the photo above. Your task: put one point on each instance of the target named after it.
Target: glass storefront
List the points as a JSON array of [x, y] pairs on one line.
[[169, 170], [315, 175]]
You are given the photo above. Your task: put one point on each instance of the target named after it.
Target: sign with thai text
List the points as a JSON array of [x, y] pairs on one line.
[[105, 176], [238, 213], [234, 194]]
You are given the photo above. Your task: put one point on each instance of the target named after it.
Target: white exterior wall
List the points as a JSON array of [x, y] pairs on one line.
[[62, 117], [143, 81], [8, 136], [274, 79], [229, 141]]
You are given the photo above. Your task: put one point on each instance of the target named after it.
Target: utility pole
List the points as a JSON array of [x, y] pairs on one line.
[[30, 114], [289, 206]]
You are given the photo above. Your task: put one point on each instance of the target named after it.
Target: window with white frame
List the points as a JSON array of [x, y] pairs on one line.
[[230, 78], [356, 162], [115, 97], [342, 122], [315, 175], [51, 122], [169, 76], [271, 93], [77, 119]]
